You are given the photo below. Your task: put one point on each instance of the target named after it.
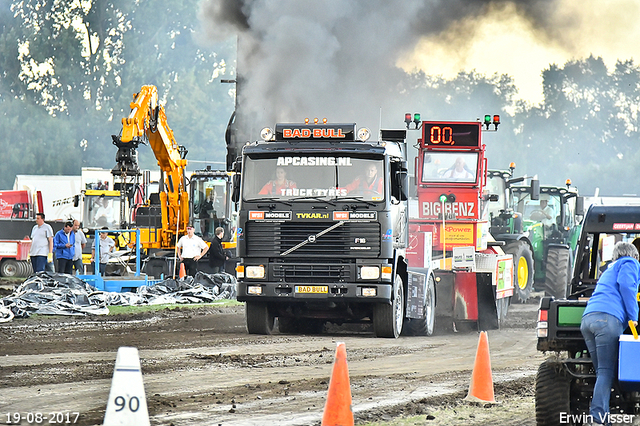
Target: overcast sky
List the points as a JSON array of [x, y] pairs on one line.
[[504, 41]]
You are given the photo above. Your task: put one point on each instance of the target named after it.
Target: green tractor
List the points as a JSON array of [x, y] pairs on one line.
[[540, 227]]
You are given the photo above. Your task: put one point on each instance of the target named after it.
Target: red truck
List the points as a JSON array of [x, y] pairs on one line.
[[14, 258]]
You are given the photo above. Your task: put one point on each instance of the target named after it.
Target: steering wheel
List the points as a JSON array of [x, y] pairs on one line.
[[537, 215]]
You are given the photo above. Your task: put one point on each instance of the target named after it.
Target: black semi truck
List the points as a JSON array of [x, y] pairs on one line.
[[322, 232]]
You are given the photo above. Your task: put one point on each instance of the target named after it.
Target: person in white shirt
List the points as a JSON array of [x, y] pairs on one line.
[[191, 248], [458, 170], [41, 244], [106, 246]]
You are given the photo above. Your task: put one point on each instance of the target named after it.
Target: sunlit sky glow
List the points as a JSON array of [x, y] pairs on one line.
[[503, 41]]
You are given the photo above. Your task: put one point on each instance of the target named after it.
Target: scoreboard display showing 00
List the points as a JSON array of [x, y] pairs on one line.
[[451, 134]]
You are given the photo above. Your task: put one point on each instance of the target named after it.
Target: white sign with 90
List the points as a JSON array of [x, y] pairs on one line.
[[127, 403]]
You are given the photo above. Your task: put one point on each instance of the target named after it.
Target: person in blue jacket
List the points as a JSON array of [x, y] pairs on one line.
[[63, 244], [610, 308]]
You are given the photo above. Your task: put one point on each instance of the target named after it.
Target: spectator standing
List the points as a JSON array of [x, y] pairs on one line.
[[63, 243], [611, 306], [41, 244], [81, 242], [106, 246], [217, 257], [191, 248]]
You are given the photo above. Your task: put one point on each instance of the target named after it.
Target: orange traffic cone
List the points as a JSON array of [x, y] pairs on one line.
[[481, 386], [337, 410], [182, 273]]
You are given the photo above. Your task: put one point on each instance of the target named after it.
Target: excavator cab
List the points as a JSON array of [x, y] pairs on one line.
[[211, 205]]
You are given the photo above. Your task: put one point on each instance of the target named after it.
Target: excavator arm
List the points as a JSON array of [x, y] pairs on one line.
[[147, 122]]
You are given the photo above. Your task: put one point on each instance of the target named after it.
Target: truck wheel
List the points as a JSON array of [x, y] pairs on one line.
[[524, 269], [502, 306], [388, 319], [553, 393], [557, 273], [424, 326], [9, 268], [260, 319], [22, 272]]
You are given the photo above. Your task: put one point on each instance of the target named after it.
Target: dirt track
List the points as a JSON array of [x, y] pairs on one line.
[[202, 368]]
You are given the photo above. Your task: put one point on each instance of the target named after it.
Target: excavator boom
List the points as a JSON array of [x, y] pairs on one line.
[[147, 122]]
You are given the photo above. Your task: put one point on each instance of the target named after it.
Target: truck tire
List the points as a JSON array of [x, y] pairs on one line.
[[260, 319], [388, 318], [502, 307], [22, 272], [9, 268], [557, 273], [552, 394], [424, 326], [523, 269]]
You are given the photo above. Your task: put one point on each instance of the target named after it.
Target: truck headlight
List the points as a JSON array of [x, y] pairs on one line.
[[369, 272], [254, 271]]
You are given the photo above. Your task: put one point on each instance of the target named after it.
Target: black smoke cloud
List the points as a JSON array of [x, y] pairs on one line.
[[335, 59]]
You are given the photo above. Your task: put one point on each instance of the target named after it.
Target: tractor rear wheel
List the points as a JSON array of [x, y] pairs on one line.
[[557, 272], [523, 269]]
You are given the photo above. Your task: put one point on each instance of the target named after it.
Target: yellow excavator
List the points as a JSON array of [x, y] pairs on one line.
[[162, 216], [165, 215]]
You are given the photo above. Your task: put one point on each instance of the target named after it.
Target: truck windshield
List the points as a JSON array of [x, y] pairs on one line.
[[449, 167], [324, 177], [597, 252], [545, 210]]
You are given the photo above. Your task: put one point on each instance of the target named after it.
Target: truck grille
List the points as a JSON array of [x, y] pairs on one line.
[[312, 273], [351, 239]]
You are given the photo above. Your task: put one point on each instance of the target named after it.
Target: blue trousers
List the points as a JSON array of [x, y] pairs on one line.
[[39, 263], [601, 334]]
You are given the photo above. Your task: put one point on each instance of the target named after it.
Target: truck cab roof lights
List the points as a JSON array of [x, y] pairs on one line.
[[489, 120], [267, 134], [408, 119], [364, 134]]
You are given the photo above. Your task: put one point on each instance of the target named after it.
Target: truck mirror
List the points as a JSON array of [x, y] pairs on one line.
[[535, 189], [400, 183], [579, 206], [237, 165], [235, 196], [493, 197]]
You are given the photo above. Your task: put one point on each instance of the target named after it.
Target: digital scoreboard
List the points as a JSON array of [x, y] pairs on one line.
[[450, 134]]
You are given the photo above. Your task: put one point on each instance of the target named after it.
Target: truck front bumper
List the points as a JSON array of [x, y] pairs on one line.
[[304, 292]]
